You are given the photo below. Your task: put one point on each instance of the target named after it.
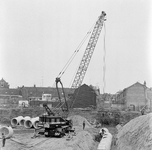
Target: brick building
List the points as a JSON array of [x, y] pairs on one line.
[[35, 93], [8, 95], [84, 96], [134, 97]]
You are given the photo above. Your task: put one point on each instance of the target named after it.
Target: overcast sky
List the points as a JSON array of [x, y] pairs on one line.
[[37, 38]]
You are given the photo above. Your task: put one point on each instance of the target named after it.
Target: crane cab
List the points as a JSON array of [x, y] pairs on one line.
[[55, 126]]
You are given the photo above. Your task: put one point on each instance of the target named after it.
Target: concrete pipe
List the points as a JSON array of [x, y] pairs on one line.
[[27, 122], [8, 131], [35, 122], [16, 121], [105, 143], [23, 120]]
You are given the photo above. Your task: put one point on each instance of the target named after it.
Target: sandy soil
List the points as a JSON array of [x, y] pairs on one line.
[[84, 139], [136, 134], [23, 141]]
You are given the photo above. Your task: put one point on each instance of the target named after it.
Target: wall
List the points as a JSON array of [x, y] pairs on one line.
[[136, 95], [118, 106], [84, 97], [149, 98]]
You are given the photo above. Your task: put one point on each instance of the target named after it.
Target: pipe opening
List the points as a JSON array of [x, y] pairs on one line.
[[28, 124], [8, 131], [22, 122], [14, 122]]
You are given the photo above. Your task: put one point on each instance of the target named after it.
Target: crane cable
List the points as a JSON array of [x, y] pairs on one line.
[[104, 67], [73, 55], [75, 52], [104, 61]]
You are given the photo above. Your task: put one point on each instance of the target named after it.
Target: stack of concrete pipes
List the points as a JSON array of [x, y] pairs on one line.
[[27, 122], [105, 143]]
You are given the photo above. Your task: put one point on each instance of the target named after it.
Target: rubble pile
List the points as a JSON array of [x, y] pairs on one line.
[[136, 134]]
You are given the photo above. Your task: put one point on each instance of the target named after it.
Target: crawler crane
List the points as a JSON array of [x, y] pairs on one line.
[[54, 124]]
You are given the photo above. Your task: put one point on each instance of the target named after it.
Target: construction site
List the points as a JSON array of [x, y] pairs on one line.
[[79, 117]]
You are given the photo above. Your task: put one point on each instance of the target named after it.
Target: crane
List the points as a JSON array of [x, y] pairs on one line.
[[56, 125], [78, 79], [79, 76]]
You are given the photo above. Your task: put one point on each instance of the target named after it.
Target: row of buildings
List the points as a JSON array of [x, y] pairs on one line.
[[134, 97], [11, 96]]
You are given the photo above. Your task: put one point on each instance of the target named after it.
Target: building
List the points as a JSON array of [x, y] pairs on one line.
[[8, 95], [149, 98], [35, 93], [84, 96], [133, 97]]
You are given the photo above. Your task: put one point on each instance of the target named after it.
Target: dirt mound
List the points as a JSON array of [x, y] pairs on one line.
[[83, 141], [78, 121], [136, 134]]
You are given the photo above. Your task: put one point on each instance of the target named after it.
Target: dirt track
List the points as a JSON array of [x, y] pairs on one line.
[[23, 141]]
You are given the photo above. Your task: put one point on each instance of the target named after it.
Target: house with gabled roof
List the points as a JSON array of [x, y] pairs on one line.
[[4, 84], [7, 93], [133, 97], [84, 96]]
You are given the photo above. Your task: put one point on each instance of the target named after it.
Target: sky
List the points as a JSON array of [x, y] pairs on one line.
[[37, 38]]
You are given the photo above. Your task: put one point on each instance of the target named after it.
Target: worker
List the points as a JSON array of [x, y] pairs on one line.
[[102, 132], [83, 124], [35, 134], [142, 112], [74, 133], [115, 140], [3, 140]]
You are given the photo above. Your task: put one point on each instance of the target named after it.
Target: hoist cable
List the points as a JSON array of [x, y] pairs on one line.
[[73, 55], [104, 69], [104, 61], [75, 52]]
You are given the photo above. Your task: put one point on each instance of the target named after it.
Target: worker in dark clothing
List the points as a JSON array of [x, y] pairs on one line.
[[102, 132], [142, 112], [83, 125], [3, 140]]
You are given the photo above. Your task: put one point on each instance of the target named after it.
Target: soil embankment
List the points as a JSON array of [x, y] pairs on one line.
[[136, 134]]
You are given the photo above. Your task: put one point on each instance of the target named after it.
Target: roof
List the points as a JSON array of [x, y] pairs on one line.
[[38, 91], [137, 83], [9, 91]]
